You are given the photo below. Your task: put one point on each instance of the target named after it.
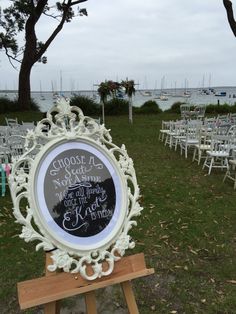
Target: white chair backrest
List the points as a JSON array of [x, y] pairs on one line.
[[232, 131], [185, 111], [15, 144], [222, 129], [200, 111], [11, 121], [4, 155], [221, 143]]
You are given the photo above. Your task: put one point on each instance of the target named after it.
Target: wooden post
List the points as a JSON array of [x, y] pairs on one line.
[[129, 297], [52, 307], [90, 301]]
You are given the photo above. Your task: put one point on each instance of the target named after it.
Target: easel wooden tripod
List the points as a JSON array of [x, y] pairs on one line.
[[56, 286]]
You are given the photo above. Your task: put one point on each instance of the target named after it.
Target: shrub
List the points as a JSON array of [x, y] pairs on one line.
[[175, 108], [7, 105], [150, 106], [116, 106], [233, 108], [86, 104], [34, 106], [217, 109]]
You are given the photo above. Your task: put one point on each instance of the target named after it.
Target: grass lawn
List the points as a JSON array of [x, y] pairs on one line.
[[187, 229]]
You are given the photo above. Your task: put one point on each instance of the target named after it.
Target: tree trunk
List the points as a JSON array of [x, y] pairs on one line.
[[130, 111], [103, 112], [24, 95], [230, 15]]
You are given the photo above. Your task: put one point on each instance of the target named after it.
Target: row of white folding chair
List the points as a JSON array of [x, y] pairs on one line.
[[205, 138], [189, 111], [212, 145]]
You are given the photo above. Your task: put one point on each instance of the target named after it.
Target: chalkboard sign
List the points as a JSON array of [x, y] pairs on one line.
[[78, 193], [81, 192]]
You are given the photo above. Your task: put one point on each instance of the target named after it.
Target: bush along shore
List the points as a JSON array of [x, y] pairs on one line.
[[116, 106]]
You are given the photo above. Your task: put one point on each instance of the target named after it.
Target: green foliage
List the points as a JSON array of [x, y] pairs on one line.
[[116, 106], [175, 108], [104, 91], [217, 109], [86, 104], [7, 105], [110, 88], [33, 105], [149, 106], [22, 16], [233, 108], [14, 18], [129, 87]]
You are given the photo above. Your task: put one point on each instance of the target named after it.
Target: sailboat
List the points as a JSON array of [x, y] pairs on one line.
[[55, 95], [163, 95], [41, 94], [145, 92]]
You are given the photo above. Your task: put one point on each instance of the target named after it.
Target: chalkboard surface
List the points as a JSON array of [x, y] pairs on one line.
[[79, 192]]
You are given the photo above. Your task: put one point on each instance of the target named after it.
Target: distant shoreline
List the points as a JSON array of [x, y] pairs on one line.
[[143, 89]]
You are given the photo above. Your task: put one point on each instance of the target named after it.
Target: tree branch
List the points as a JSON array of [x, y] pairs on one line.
[[230, 15], [77, 2], [10, 58], [66, 7]]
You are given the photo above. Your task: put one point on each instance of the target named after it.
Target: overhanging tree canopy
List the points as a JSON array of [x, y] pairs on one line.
[[23, 15]]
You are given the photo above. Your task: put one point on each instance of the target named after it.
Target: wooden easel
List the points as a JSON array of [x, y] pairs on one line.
[[55, 286]]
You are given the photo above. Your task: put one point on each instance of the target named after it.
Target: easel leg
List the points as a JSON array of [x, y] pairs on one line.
[[90, 301], [129, 297], [52, 307]]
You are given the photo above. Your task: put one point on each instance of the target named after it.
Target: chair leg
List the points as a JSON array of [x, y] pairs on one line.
[[166, 141], [194, 153], [211, 163], [205, 162], [235, 181], [226, 175], [176, 144], [186, 151], [199, 156], [227, 163]]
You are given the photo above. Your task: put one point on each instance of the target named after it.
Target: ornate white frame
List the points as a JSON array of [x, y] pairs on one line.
[[67, 123]]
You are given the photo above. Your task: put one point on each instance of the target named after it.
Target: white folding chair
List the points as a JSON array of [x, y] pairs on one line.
[[217, 156], [192, 137], [180, 134], [204, 144], [185, 111], [200, 111], [231, 172], [15, 143], [165, 127], [11, 122]]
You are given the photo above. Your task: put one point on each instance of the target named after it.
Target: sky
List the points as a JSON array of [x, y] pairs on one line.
[[157, 43]]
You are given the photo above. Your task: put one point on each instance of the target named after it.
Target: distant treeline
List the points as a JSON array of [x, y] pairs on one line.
[[116, 106]]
